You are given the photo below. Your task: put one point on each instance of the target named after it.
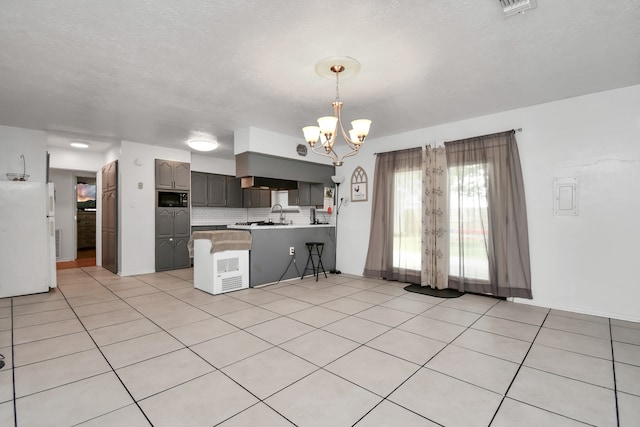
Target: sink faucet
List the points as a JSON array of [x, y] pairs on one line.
[[281, 211]]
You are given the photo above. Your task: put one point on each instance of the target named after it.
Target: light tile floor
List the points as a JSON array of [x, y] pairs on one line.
[[103, 350]]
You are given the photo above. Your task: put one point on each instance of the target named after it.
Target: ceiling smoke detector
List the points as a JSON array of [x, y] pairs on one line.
[[511, 7]]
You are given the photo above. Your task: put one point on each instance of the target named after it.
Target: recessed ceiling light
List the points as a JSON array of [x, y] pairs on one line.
[[78, 144], [202, 144]]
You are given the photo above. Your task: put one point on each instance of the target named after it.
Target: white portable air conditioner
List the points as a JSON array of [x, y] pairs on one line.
[[221, 271]]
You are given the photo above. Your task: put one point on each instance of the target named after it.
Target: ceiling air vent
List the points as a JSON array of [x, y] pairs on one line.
[[511, 7]]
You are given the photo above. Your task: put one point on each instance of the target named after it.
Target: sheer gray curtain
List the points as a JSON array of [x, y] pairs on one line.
[[394, 238], [435, 219], [488, 217]]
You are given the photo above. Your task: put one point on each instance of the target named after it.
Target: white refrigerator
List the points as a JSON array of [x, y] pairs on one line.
[[27, 238]]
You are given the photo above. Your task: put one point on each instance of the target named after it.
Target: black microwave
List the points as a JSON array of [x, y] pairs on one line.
[[173, 199]]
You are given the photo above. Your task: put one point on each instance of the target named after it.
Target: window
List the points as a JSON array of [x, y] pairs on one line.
[[476, 241], [406, 219], [468, 219]]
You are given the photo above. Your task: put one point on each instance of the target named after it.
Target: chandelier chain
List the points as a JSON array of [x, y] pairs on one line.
[[337, 87]]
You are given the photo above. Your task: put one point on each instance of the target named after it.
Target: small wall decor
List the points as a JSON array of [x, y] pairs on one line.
[[328, 192], [301, 149], [359, 190]]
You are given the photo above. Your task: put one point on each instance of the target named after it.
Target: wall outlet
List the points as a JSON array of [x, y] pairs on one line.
[[292, 250]]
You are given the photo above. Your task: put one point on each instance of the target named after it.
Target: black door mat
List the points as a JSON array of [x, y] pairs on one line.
[[439, 293]]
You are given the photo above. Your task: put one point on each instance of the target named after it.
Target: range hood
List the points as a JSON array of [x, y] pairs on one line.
[[259, 170], [268, 183]]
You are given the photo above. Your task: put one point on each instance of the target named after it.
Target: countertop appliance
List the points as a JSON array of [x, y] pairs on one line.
[[27, 238]]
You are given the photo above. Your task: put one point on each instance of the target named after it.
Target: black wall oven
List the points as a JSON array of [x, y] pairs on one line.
[[173, 199]]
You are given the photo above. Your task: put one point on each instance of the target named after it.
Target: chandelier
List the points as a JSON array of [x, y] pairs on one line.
[[322, 138]]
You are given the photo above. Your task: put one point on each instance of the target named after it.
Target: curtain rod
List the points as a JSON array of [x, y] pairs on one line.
[[390, 151]]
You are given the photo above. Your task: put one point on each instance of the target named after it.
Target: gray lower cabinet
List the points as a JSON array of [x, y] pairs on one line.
[[172, 236], [172, 253]]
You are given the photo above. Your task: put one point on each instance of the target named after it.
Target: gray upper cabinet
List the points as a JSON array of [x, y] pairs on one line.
[[234, 192], [293, 198], [307, 194], [256, 198], [172, 175], [316, 194], [215, 190], [198, 189]]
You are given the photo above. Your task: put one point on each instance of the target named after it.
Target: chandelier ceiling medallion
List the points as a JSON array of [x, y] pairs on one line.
[[322, 138]]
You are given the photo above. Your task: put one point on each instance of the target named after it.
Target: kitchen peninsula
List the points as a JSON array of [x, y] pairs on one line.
[[269, 259]]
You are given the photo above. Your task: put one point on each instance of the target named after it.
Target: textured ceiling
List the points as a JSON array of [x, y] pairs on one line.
[[154, 71]]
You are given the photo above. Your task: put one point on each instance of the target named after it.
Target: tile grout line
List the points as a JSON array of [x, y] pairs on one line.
[[192, 351], [319, 368], [504, 396], [103, 355], [541, 370], [424, 365], [13, 371], [613, 366]]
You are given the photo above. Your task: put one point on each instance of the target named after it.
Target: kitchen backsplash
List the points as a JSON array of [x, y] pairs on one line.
[[227, 216]]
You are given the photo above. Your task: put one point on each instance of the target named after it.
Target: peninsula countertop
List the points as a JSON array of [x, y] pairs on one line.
[[277, 226]]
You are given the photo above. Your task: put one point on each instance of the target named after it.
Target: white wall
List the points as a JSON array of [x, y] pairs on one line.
[[206, 164], [136, 221], [30, 143], [263, 141], [586, 263], [65, 214], [76, 160]]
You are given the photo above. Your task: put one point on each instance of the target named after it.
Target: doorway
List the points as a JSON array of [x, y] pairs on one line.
[[86, 218]]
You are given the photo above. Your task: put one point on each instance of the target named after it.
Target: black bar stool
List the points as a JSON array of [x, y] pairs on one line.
[[315, 251]]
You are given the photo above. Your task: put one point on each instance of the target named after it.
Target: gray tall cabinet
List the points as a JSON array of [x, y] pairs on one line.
[[173, 225], [172, 175], [110, 216]]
